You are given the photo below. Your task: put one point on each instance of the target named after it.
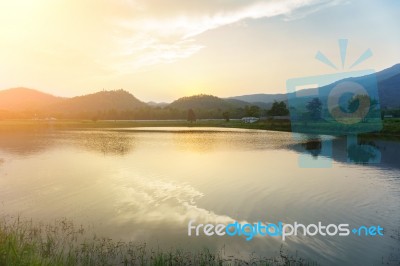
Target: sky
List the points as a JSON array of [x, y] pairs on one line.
[[162, 50]]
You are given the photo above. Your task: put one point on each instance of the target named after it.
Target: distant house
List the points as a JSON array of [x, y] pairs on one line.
[[250, 119]]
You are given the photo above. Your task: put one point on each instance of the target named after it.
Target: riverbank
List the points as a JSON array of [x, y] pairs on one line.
[[391, 128], [89, 124], [62, 243]]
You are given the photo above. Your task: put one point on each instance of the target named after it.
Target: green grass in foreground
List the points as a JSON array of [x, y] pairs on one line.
[[62, 243]]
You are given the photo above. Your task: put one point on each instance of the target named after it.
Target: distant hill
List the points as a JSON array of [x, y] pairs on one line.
[[21, 99], [260, 98], [388, 73], [211, 102], [27, 103], [201, 101], [388, 81], [118, 100], [389, 92], [155, 104]]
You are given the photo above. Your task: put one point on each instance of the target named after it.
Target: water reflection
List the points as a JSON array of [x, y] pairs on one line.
[[203, 141], [197, 142], [313, 146], [30, 143], [107, 143], [150, 184], [371, 152], [378, 153], [25, 142], [364, 152]]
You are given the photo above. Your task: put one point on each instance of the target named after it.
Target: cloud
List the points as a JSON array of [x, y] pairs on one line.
[[145, 48], [165, 32], [121, 37]]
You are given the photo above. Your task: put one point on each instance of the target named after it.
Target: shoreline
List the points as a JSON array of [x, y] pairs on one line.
[[391, 129]]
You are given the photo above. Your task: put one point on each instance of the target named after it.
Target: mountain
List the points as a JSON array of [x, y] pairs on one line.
[[389, 92], [388, 73], [201, 101], [211, 102], [17, 101], [21, 99], [260, 98], [242, 104], [155, 104], [118, 100], [388, 82]]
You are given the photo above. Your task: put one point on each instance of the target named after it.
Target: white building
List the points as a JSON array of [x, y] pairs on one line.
[[250, 119]]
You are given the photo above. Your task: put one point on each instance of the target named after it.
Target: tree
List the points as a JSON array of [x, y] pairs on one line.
[[191, 116], [356, 102], [278, 109], [314, 108], [360, 105], [226, 116], [252, 110]]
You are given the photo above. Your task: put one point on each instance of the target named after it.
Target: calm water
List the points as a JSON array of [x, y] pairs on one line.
[[146, 184]]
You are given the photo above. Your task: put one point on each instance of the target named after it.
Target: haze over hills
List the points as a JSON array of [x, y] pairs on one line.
[[388, 73], [155, 104], [389, 92], [24, 99], [203, 101], [260, 98], [100, 101], [38, 103], [388, 82], [20, 99]]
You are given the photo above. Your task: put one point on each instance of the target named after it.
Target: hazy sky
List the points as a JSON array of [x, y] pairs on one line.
[[164, 49]]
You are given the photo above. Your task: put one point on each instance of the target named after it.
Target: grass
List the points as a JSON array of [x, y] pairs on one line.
[[62, 243]]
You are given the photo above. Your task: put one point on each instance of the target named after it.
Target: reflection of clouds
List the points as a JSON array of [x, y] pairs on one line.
[[155, 204], [131, 197], [152, 200], [158, 201], [155, 207]]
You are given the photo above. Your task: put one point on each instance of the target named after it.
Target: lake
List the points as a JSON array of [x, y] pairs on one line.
[[146, 184]]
